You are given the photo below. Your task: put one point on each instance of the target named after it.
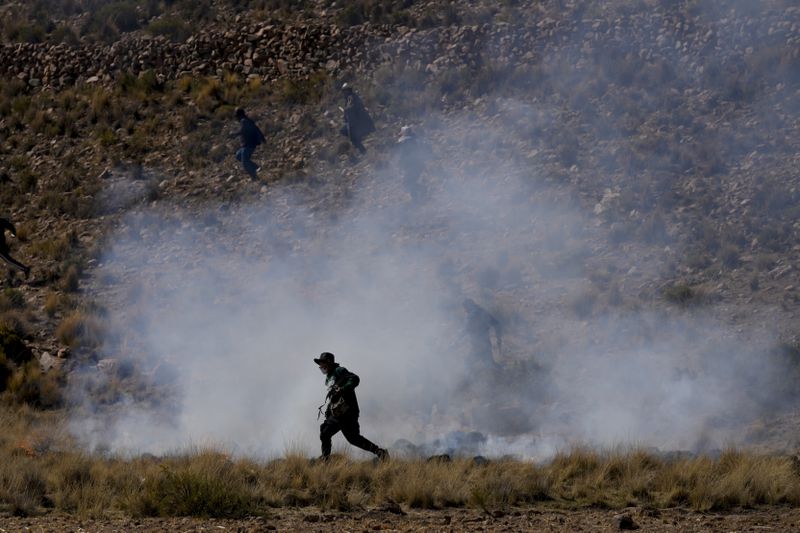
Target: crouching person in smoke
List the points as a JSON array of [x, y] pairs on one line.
[[341, 411]]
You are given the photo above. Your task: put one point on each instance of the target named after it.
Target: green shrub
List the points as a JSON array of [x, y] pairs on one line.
[[121, 14], [171, 27], [63, 34], [377, 12], [142, 86], [106, 137], [26, 33], [305, 90]]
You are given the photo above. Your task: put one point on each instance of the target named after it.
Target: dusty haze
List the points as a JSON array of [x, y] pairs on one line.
[[239, 299]]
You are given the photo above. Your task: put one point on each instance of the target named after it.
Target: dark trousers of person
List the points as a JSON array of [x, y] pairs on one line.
[[354, 139], [243, 155], [411, 174], [351, 431], [11, 261]]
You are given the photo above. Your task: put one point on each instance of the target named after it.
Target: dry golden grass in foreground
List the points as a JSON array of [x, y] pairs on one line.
[[40, 470]]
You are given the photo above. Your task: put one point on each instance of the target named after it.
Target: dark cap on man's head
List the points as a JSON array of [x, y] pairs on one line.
[[240, 114], [325, 357]]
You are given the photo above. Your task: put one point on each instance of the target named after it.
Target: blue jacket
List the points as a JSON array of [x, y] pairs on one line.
[[249, 133]]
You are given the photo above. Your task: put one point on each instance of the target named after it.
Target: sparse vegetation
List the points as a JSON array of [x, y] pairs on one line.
[[683, 294], [80, 329], [209, 483], [673, 137], [376, 11]]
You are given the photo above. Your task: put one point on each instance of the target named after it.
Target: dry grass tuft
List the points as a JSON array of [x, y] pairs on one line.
[[40, 468], [80, 329]]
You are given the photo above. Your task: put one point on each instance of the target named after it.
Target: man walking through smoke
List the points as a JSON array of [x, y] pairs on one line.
[[485, 334], [357, 122], [412, 156], [7, 225], [341, 413], [251, 137]]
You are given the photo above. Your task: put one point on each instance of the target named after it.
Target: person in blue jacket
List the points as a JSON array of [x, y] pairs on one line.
[[250, 136]]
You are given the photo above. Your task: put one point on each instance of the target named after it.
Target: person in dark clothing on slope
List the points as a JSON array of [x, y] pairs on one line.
[[485, 334], [341, 413], [250, 137], [357, 122], [7, 225], [412, 157]]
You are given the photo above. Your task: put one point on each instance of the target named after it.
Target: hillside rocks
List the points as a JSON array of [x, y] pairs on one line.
[[698, 42], [48, 361], [267, 51], [638, 112]]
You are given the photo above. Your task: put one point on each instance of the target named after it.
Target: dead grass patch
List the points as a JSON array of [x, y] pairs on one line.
[[211, 483], [81, 329]]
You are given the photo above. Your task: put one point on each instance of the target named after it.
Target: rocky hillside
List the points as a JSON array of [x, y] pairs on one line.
[[671, 126]]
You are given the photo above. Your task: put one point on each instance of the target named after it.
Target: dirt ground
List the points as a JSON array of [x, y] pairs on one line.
[[529, 519]]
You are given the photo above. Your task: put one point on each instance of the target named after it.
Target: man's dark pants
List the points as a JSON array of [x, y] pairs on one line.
[[355, 139], [351, 431], [243, 155], [10, 260]]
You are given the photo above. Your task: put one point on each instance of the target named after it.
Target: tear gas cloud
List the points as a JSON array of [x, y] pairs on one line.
[[238, 299]]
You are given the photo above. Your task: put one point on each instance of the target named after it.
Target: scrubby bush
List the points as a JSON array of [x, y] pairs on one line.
[[80, 330], [683, 294], [25, 33], [17, 322], [111, 19], [172, 27], [12, 298], [29, 385], [204, 486], [376, 11], [305, 90]]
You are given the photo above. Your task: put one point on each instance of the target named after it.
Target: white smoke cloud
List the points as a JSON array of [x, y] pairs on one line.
[[240, 299]]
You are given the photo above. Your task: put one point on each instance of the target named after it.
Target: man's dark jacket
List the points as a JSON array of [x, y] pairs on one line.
[[346, 382], [357, 118], [5, 225], [249, 133]]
